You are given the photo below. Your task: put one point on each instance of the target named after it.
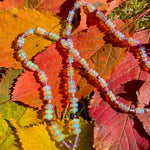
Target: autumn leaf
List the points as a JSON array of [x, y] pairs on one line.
[[39, 138], [143, 98], [14, 22], [7, 4], [120, 127], [10, 110], [27, 87], [143, 36]]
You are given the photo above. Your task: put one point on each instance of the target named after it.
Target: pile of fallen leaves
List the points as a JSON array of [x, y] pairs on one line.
[[21, 115]]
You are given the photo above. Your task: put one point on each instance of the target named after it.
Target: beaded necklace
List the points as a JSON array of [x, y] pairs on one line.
[[72, 52]]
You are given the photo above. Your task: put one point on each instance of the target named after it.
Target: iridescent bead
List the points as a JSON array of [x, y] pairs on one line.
[[133, 42], [64, 43], [73, 100], [48, 97], [111, 96], [74, 110], [29, 32], [56, 132], [71, 90], [46, 88], [71, 13], [72, 86], [32, 66], [48, 116], [75, 120], [101, 16], [76, 5], [75, 126], [119, 35], [110, 24], [22, 54], [42, 76], [127, 109], [48, 106], [20, 41], [70, 43], [90, 7], [74, 105], [102, 82], [41, 31], [137, 110], [93, 72], [76, 131], [74, 52], [69, 19], [60, 137], [120, 105], [147, 64], [47, 93], [142, 110], [71, 82], [50, 111], [54, 127], [70, 59]]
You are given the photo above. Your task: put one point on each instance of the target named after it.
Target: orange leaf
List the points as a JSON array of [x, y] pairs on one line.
[[14, 22], [7, 4]]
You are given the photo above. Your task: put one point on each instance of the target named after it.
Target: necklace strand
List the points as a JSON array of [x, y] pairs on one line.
[[68, 44]]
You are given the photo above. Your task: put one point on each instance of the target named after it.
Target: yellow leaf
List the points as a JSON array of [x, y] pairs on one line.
[[39, 138], [14, 22]]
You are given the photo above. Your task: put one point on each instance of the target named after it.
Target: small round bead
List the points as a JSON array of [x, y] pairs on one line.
[[74, 110], [48, 106], [90, 7], [75, 126], [74, 105], [74, 100], [54, 127], [56, 132], [142, 110], [48, 116], [47, 93], [76, 131], [49, 111], [71, 90], [102, 82], [137, 110], [60, 137], [75, 120], [120, 105], [46, 88], [64, 43], [48, 97], [127, 109]]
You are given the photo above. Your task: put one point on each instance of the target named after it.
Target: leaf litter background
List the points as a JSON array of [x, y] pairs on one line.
[[20, 102]]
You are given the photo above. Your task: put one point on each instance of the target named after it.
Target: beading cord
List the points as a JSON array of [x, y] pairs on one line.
[[68, 44]]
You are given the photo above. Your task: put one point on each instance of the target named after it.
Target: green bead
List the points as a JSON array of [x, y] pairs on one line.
[[54, 127], [29, 63], [50, 111], [74, 105], [76, 131], [60, 137], [48, 116], [47, 93], [56, 132]]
